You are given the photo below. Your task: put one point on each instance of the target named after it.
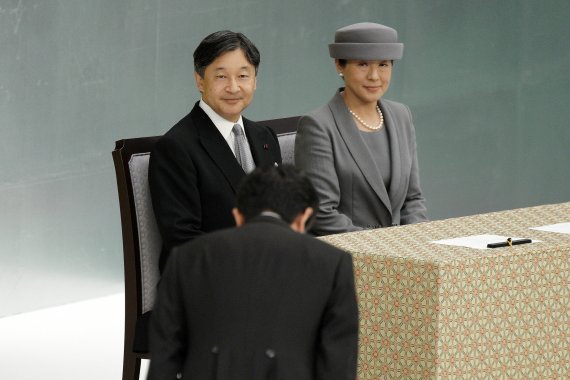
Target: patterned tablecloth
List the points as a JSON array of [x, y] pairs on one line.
[[431, 311]]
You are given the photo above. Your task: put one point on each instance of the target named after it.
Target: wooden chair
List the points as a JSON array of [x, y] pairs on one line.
[[141, 238], [141, 247]]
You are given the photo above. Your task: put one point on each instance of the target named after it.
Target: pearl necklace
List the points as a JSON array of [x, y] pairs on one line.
[[372, 127]]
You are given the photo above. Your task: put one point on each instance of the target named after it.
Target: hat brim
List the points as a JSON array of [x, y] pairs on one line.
[[367, 51]]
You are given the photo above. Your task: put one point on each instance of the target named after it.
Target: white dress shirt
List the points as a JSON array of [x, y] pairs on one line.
[[223, 125]]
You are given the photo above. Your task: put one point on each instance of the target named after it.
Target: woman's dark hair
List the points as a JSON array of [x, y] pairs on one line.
[[342, 62], [222, 42], [281, 189]]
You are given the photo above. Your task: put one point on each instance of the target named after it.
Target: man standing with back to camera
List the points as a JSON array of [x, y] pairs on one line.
[[195, 168], [262, 301]]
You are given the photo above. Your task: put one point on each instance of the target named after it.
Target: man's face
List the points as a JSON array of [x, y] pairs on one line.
[[228, 84]]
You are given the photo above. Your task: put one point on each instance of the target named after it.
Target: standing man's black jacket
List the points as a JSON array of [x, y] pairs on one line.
[[256, 302]]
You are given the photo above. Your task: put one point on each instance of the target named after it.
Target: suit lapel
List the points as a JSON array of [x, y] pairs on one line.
[[259, 144], [357, 148], [217, 147], [395, 154]]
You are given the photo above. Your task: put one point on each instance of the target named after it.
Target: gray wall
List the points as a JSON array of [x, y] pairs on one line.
[[488, 83]]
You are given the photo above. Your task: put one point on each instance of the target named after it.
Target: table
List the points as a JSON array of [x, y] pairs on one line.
[[431, 311]]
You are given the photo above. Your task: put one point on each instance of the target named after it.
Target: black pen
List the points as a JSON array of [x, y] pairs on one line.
[[509, 243]]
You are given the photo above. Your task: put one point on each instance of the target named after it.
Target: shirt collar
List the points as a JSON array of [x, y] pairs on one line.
[[271, 214], [223, 125]]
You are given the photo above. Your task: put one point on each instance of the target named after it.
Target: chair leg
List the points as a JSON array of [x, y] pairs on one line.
[[131, 366]]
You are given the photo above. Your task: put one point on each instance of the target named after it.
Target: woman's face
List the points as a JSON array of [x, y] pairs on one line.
[[365, 81]]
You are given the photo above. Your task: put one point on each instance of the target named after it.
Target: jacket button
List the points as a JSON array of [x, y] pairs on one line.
[[215, 350], [270, 353]]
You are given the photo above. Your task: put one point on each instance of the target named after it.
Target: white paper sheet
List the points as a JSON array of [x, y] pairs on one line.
[[477, 241], [563, 228]]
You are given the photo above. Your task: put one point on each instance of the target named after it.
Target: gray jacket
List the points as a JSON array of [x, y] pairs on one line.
[[331, 151]]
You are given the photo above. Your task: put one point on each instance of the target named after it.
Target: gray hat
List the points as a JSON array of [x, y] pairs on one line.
[[368, 41]]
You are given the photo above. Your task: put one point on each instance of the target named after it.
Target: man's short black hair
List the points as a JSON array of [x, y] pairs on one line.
[[281, 189], [222, 42]]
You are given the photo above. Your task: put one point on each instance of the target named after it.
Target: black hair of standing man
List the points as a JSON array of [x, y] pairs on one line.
[[281, 189]]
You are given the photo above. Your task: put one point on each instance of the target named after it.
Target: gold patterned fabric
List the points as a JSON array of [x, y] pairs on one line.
[[432, 311]]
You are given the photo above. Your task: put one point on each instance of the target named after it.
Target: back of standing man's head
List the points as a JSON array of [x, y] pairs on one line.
[[281, 189], [222, 42]]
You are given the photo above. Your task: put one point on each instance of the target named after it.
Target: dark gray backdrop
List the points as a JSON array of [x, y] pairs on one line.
[[488, 83]]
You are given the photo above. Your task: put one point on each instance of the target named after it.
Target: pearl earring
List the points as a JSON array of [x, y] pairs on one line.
[[341, 75]]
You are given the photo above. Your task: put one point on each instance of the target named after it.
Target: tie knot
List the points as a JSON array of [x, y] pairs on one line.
[[237, 130]]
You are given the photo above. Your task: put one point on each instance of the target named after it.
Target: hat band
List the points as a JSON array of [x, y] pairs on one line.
[[367, 51]]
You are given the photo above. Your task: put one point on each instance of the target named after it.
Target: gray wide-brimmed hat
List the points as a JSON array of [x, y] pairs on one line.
[[368, 41]]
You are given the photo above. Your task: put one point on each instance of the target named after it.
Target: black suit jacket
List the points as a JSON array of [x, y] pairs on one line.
[[193, 176], [256, 302]]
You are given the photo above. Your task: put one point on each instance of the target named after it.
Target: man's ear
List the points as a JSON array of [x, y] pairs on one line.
[[199, 82], [238, 217], [300, 221]]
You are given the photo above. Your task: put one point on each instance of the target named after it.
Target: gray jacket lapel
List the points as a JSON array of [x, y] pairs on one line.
[[353, 141], [395, 153]]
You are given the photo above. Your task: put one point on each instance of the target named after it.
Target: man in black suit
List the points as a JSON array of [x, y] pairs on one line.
[[261, 301], [194, 170]]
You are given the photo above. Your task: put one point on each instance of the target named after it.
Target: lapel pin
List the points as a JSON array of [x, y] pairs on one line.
[[266, 146], [276, 164]]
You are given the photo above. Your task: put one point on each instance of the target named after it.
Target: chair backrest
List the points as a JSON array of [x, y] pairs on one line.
[[286, 129], [150, 242], [282, 126], [287, 145], [141, 238]]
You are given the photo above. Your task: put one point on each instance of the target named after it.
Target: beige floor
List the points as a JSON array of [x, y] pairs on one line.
[[83, 340]]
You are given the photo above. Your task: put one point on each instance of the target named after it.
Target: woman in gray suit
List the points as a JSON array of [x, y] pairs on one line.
[[360, 149]]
